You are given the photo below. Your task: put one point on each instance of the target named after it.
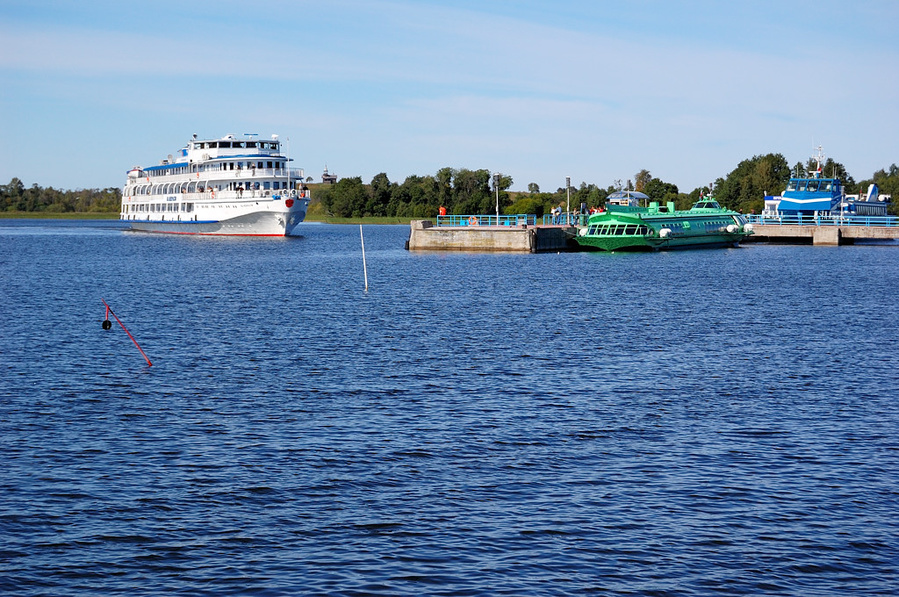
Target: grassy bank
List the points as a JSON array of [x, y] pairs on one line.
[[333, 220]]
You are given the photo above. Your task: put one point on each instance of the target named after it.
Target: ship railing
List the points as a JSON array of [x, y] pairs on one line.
[[294, 173], [517, 220], [249, 194], [823, 220]]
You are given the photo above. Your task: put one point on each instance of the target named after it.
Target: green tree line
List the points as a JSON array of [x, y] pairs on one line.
[[16, 197], [463, 191]]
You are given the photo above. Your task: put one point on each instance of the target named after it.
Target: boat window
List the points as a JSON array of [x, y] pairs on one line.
[[791, 186], [812, 186], [252, 144], [630, 229], [825, 186]]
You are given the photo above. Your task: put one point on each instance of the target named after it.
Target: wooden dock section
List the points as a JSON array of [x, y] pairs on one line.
[[821, 234], [524, 238]]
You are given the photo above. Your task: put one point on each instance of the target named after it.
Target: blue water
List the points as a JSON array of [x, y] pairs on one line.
[[686, 423]]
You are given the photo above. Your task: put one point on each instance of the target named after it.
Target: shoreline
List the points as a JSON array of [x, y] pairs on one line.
[[43, 215]]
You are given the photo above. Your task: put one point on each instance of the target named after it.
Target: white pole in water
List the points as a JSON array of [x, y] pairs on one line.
[[364, 267]]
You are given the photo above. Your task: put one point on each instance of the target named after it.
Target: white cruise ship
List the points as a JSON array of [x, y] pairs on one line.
[[229, 186]]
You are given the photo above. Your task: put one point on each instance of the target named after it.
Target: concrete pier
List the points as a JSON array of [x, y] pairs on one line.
[[820, 235], [424, 236]]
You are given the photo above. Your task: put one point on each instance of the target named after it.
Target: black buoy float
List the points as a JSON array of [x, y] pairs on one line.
[[107, 324]]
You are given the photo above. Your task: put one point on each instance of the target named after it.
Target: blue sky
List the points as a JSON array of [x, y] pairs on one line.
[[594, 90]]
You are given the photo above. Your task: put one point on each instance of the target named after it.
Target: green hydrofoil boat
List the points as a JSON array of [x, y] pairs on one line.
[[624, 225]]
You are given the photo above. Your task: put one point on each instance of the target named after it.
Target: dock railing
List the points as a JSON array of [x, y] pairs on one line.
[[565, 219], [823, 220], [517, 220]]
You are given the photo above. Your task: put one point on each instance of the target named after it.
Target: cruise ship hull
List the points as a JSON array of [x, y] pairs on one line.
[[262, 223]]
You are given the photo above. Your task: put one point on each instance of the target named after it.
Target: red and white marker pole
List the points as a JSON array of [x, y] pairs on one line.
[[107, 325]]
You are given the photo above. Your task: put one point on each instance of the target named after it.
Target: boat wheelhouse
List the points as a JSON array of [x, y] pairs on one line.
[[227, 186], [628, 227]]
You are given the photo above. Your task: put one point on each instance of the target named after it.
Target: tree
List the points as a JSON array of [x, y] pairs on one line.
[[379, 195], [471, 192], [660, 191], [346, 198], [640, 180], [745, 187]]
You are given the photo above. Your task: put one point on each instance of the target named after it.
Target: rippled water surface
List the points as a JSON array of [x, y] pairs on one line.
[[685, 423]]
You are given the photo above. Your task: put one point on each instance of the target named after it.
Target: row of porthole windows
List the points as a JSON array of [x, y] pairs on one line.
[[271, 145], [193, 187], [239, 166], [159, 207]]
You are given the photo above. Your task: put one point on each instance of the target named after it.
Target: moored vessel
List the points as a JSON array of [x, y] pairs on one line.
[[817, 195], [229, 186], [626, 226]]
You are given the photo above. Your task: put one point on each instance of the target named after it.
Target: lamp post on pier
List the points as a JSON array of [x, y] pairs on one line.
[[496, 176], [568, 200]]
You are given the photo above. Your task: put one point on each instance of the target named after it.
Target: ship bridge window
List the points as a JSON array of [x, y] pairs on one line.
[[826, 186], [812, 186], [791, 186]]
